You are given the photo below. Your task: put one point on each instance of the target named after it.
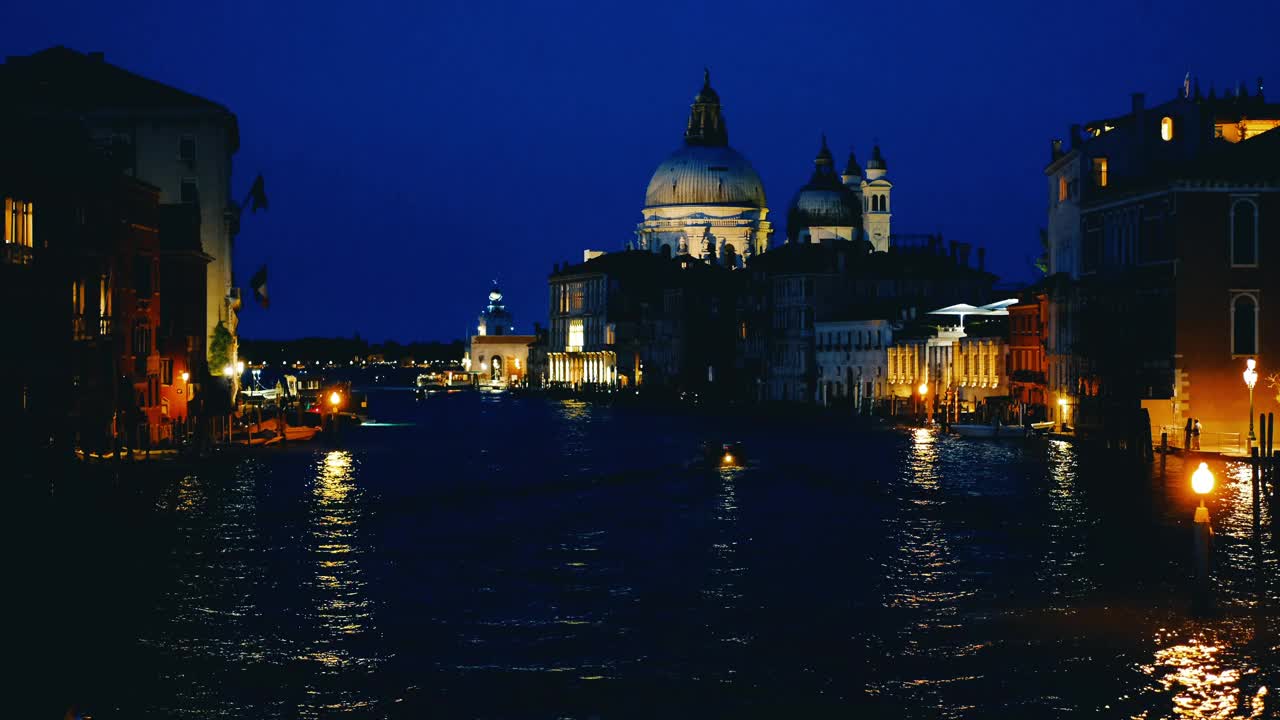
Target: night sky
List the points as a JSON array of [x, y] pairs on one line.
[[412, 154]]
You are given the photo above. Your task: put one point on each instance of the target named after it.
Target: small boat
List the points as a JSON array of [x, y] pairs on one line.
[[730, 454], [493, 388], [986, 431], [1042, 427]]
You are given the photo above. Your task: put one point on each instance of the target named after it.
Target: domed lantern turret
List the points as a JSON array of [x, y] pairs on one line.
[[824, 208]]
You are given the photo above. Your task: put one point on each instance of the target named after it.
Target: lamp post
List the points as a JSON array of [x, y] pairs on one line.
[[1202, 532], [924, 392], [1251, 379], [335, 400], [1062, 414]]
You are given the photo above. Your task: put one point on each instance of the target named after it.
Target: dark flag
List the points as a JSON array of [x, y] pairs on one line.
[[259, 284], [258, 194]]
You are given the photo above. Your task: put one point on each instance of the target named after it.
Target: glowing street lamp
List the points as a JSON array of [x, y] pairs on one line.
[[228, 370], [928, 411], [1062, 413], [1251, 379], [335, 399], [186, 376], [1202, 484]]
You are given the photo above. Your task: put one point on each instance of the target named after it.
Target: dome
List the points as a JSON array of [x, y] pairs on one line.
[[824, 201], [705, 175]]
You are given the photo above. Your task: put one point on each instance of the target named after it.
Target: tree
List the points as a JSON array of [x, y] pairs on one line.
[[220, 348]]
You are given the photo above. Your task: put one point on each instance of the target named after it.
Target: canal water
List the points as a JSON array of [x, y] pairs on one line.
[[494, 557]]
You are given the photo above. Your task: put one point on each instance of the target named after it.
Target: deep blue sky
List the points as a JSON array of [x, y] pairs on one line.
[[413, 151]]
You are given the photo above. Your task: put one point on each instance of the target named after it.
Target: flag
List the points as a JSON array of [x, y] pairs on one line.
[[258, 194], [259, 284]]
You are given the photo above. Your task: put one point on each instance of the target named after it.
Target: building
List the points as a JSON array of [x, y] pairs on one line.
[[92, 370], [178, 142], [960, 370], [1028, 383], [852, 363], [800, 285], [1159, 289], [639, 319], [495, 354], [182, 337], [705, 199]]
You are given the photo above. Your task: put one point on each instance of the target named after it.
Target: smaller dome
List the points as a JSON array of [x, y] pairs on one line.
[[824, 201], [877, 160]]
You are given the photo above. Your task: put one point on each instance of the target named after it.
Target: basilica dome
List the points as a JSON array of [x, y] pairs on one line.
[[824, 201], [705, 175]]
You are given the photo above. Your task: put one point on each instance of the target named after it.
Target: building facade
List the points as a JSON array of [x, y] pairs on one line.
[[178, 142], [1151, 288], [852, 363]]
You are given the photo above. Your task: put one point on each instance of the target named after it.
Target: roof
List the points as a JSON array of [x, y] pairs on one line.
[[60, 78], [705, 175]]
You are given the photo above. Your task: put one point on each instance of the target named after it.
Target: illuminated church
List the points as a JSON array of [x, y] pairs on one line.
[[707, 201]]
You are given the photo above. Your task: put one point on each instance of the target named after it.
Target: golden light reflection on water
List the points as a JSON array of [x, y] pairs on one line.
[[1201, 682], [342, 607]]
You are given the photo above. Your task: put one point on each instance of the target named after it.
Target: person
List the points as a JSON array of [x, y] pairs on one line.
[[1195, 435], [1186, 435]]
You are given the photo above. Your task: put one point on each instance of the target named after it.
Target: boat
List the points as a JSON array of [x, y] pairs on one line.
[[493, 388], [730, 454], [1042, 427], [427, 384], [986, 430]]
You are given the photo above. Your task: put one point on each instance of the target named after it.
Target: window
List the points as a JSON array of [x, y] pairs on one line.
[[141, 338], [189, 192], [1100, 172], [576, 335], [1062, 188], [1244, 232], [1244, 325], [187, 148], [166, 371], [1166, 128], [18, 223]]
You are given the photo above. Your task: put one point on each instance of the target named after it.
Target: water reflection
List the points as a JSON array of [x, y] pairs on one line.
[[342, 609], [1202, 683], [726, 569], [1060, 572]]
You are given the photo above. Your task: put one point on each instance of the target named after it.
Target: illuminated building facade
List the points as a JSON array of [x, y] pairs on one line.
[[495, 355], [1028, 326], [959, 371], [1159, 289], [180, 143]]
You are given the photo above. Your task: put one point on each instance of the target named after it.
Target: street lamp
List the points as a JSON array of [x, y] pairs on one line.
[[1202, 484], [1062, 413], [1251, 379], [228, 370], [928, 411], [186, 376], [335, 398]]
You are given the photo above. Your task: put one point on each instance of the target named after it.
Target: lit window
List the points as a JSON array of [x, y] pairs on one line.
[[18, 223], [575, 335], [1100, 172], [1166, 128], [1244, 325], [1244, 233], [1062, 188]]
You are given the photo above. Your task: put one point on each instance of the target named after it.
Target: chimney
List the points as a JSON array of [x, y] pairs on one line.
[[1055, 149], [97, 56], [982, 259], [964, 254]]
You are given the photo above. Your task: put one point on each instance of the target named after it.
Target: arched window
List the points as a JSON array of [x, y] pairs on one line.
[[1244, 232], [1166, 128], [666, 250], [1244, 325]]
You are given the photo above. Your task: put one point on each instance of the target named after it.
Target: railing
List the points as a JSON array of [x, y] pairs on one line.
[[1218, 442]]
